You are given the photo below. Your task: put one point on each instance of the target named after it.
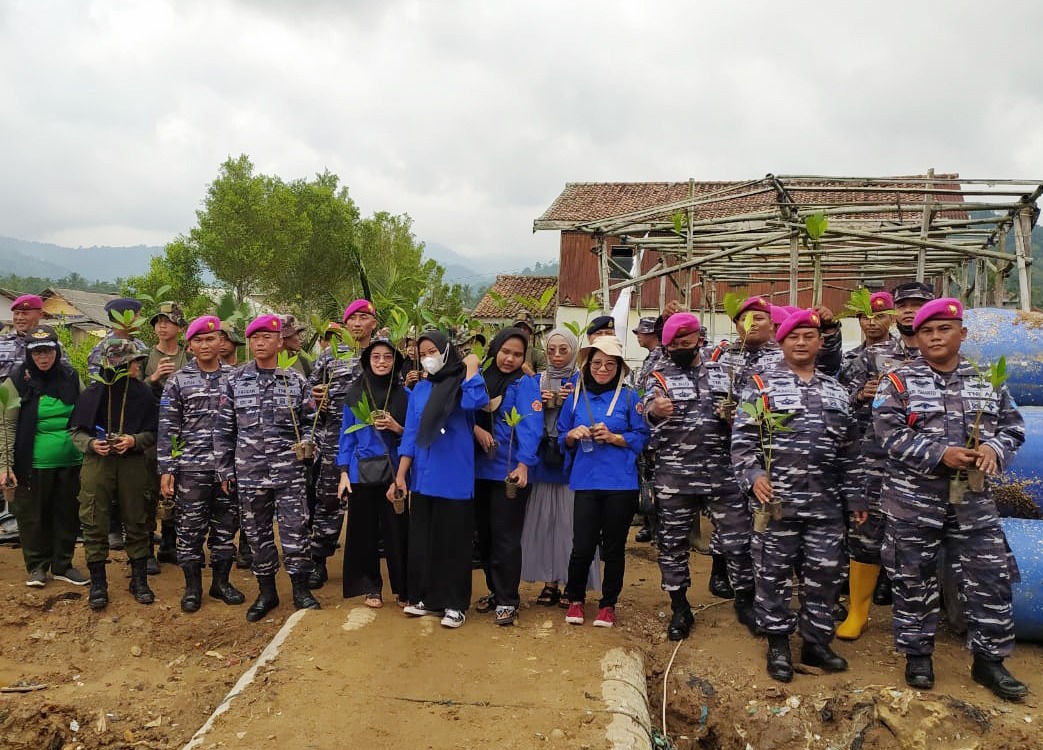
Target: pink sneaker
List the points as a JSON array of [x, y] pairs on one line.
[[575, 614], [606, 617]]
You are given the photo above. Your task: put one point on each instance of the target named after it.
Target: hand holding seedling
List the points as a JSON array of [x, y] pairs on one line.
[[123, 443]]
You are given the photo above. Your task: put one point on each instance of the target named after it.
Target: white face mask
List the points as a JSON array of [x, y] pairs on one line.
[[432, 364]]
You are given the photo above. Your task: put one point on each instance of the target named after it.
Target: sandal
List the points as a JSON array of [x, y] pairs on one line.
[[486, 604], [550, 596], [563, 602], [506, 615], [374, 601]]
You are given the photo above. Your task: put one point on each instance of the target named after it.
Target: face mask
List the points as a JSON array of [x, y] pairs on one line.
[[682, 357], [432, 364], [904, 330]]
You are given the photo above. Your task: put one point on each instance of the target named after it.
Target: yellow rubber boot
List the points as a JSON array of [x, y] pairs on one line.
[[862, 583]]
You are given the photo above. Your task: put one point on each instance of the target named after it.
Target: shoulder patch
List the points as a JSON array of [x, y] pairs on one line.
[[640, 407], [537, 405], [879, 400]]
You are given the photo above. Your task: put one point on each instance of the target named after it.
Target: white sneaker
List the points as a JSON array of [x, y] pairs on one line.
[[454, 618], [420, 610]]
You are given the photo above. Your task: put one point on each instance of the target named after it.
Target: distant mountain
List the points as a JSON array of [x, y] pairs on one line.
[[481, 272], [98, 263]]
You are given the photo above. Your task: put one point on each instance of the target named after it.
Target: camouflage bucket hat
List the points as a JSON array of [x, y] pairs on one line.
[[172, 311], [118, 352]]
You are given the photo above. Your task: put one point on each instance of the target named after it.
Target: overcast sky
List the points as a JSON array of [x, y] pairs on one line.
[[471, 116]]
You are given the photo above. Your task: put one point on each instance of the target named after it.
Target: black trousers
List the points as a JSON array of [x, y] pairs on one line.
[[48, 514], [441, 539], [600, 516], [370, 518], [500, 520]]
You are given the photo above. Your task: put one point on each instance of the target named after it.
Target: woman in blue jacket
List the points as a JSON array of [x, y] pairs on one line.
[[502, 456], [367, 459], [602, 433], [436, 455]]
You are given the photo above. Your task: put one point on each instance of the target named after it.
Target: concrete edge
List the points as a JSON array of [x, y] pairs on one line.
[[623, 690], [267, 655]]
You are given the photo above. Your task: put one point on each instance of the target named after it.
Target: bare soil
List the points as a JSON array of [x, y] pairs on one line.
[[149, 676]]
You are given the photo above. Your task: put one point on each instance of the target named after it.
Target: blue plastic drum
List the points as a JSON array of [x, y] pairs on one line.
[[1025, 538], [993, 332], [1021, 485]]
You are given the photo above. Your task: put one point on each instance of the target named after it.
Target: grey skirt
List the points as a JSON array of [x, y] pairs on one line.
[[547, 537]]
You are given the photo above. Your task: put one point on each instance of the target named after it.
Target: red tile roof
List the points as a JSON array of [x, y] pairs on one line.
[[583, 202], [509, 285]]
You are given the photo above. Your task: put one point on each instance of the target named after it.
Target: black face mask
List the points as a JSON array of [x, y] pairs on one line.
[[904, 330], [682, 357]]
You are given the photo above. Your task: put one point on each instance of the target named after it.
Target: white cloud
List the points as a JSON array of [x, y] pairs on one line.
[[471, 116]]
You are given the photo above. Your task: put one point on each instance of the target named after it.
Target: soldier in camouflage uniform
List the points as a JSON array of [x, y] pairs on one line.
[[120, 305], [812, 473], [264, 412], [648, 334], [693, 470], [938, 418], [332, 377], [26, 311], [861, 374], [187, 416], [113, 423]]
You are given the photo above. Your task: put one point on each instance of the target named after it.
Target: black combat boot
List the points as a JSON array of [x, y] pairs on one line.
[[882, 593], [919, 672], [780, 661], [168, 542], [244, 558], [644, 534], [98, 596], [139, 582], [744, 611], [151, 563], [192, 599], [267, 598], [822, 656], [302, 598], [318, 575], [682, 620], [992, 674], [720, 586], [221, 588]]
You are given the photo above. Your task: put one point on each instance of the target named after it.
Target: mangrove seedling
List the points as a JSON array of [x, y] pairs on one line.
[[304, 450], [513, 418], [769, 423]]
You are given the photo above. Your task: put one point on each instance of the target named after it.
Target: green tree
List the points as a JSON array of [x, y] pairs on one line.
[[180, 269]]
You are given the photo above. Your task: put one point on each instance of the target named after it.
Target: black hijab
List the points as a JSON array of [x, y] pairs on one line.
[[496, 381], [59, 382], [381, 389], [445, 389], [594, 386], [141, 413]]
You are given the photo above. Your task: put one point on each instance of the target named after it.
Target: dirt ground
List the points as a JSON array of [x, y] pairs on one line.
[[149, 676]]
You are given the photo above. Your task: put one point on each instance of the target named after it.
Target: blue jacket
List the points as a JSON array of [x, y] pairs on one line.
[[365, 443], [524, 395], [607, 467], [446, 467]]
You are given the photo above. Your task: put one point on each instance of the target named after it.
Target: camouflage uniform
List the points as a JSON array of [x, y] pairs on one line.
[[813, 471], [12, 352], [188, 410], [253, 441], [328, 516], [693, 471], [917, 414], [864, 539]]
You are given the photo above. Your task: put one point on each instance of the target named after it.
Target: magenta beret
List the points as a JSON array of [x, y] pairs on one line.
[[880, 301], [799, 319], [753, 304], [946, 308], [270, 323], [204, 324], [779, 313], [27, 302], [679, 324], [359, 305]]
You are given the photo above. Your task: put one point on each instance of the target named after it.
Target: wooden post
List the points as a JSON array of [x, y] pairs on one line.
[[688, 245], [1022, 239], [606, 306], [925, 226], [794, 260], [712, 330], [816, 282]]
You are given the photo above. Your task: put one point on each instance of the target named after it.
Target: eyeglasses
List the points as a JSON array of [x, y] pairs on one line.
[[381, 357], [608, 365]]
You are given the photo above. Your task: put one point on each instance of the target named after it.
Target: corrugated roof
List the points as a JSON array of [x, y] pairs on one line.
[[91, 304], [509, 285]]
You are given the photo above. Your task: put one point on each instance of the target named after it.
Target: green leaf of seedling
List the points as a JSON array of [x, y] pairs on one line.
[[998, 373], [747, 321], [590, 302], [816, 226], [363, 413], [513, 418], [750, 409], [177, 446], [286, 360], [574, 327], [546, 297], [680, 219], [732, 303]]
